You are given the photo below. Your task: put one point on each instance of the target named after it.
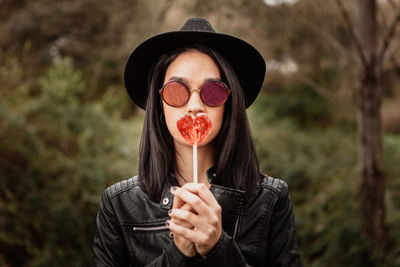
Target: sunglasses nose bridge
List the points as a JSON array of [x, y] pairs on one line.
[[195, 104], [195, 90]]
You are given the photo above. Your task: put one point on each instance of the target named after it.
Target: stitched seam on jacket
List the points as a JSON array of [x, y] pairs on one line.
[[258, 246], [269, 182], [238, 213], [135, 183], [266, 211]]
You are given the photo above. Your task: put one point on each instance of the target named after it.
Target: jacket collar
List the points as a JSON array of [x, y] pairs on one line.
[[231, 200]]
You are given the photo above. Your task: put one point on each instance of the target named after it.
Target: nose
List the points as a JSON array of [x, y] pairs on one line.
[[195, 105]]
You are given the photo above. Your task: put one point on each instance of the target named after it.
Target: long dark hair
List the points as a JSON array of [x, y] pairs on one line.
[[236, 163]]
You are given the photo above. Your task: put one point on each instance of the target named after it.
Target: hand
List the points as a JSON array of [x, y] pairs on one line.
[[183, 244], [205, 217]]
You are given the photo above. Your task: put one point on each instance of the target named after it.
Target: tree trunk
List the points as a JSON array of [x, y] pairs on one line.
[[372, 186]]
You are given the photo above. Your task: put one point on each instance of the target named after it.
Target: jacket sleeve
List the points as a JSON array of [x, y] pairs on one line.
[[225, 253], [109, 248], [282, 249]]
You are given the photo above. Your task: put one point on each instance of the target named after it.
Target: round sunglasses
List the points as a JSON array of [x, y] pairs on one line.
[[213, 93]]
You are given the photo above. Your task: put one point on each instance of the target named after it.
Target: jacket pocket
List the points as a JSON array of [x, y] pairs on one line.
[[147, 241]]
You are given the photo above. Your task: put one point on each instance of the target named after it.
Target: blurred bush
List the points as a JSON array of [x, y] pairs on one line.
[[320, 166], [58, 154]]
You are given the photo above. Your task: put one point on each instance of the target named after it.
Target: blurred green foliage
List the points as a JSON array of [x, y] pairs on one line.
[[58, 154], [320, 166], [68, 129]]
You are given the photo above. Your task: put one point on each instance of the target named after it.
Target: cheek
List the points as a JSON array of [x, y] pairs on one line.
[[217, 119], [171, 118]]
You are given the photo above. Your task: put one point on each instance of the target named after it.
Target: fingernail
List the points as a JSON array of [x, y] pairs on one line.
[[173, 188], [167, 223], [169, 212]]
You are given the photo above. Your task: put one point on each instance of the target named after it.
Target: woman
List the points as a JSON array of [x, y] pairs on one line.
[[234, 216]]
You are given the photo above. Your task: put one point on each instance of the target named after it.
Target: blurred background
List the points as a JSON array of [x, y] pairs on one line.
[[327, 120]]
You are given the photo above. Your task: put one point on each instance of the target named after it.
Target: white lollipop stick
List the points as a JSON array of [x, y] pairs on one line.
[[195, 180]]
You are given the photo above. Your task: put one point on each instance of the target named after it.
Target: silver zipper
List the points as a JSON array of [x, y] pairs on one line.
[[236, 227], [149, 228]]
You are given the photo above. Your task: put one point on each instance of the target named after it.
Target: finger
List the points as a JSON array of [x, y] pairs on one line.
[[192, 235], [185, 216], [210, 219], [191, 220], [197, 204], [180, 204], [177, 202], [182, 223], [180, 238], [179, 221], [187, 207], [203, 192]]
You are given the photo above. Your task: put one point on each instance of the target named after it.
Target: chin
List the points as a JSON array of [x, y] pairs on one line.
[[181, 142]]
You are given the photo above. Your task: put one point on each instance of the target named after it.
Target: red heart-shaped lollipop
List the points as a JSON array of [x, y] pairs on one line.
[[194, 129]]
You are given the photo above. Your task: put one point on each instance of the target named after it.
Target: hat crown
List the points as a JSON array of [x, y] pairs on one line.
[[246, 61], [197, 24]]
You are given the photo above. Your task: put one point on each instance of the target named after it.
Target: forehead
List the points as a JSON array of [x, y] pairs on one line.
[[193, 65]]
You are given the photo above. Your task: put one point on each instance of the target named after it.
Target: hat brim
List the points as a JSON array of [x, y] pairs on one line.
[[246, 61]]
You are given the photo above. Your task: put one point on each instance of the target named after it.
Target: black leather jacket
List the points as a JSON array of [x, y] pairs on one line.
[[131, 228]]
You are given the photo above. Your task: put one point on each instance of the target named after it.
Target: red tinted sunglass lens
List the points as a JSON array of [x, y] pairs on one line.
[[214, 93], [175, 94]]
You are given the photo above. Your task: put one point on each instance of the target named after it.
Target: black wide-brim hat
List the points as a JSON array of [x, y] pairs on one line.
[[246, 61]]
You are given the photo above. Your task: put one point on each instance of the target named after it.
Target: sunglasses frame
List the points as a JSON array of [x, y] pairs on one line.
[[195, 90]]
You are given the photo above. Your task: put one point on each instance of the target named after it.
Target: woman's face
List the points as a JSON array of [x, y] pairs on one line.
[[193, 68]]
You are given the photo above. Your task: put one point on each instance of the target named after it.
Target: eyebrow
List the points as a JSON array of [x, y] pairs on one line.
[[185, 81]]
